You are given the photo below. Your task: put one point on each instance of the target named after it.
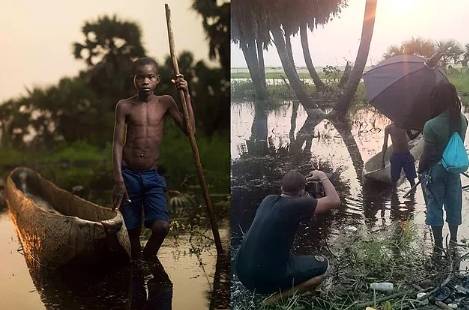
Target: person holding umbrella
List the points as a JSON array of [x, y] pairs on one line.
[[439, 186], [401, 157]]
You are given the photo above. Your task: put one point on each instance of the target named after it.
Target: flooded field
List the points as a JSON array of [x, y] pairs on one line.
[[189, 276], [266, 144]]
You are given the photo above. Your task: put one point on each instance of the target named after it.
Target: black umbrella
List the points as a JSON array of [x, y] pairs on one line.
[[400, 87]]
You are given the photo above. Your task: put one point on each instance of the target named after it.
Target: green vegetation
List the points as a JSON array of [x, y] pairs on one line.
[[279, 89], [274, 75], [80, 163], [64, 131], [397, 255]]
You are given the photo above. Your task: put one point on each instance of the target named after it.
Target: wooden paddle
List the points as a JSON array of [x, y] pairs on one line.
[[190, 132]]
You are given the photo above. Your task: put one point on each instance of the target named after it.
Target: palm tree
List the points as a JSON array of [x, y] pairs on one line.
[[307, 56], [249, 30], [286, 19], [309, 22], [341, 108], [216, 24], [465, 56], [451, 50], [419, 46], [110, 47], [393, 50], [109, 40]]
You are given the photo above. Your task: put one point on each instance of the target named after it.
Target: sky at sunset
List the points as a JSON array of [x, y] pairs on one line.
[[396, 21], [37, 36]]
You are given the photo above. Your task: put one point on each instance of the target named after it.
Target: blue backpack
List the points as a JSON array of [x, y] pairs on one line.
[[455, 159]]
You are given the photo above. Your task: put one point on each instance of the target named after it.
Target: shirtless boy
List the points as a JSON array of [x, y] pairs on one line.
[[141, 120], [401, 157]]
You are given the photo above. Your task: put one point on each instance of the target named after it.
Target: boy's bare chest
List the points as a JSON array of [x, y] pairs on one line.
[[146, 115]]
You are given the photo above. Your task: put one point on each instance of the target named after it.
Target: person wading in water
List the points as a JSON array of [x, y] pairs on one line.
[[401, 158]]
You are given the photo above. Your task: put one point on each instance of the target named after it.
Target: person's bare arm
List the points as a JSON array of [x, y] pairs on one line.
[[332, 199], [178, 118], [385, 146], [119, 191]]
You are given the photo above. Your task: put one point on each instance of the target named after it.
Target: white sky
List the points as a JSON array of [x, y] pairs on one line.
[[37, 36], [396, 21]]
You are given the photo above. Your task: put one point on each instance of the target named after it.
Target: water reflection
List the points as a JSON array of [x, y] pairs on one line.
[[72, 289], [200, 282], [292, 138], [153, 293], [258, 170], [219, 296]]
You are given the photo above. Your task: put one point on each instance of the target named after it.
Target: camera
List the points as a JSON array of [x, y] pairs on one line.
[[315, 189]]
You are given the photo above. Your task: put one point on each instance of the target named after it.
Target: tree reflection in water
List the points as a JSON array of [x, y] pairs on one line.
[[275, 145]]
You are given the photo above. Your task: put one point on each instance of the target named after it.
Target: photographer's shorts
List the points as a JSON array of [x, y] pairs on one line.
[[299, 269], [146, 189]]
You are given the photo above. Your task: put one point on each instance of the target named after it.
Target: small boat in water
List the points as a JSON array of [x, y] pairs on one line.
[[59, 229], [372, 168]]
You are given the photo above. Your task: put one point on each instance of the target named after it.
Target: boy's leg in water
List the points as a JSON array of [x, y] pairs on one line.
[[132, 211], [159, 231], [395, 168], [156, 211], [409, 169]]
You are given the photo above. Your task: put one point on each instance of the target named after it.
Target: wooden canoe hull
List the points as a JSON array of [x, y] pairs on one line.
[[78, 233], [372, 168]]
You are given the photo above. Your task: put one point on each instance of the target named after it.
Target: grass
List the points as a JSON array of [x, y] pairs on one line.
[[398, 255], [280, 90], [274, 75]]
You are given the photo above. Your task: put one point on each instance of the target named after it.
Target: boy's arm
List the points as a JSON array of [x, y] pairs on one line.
[[174, 111], [119, 192], [385, 146]]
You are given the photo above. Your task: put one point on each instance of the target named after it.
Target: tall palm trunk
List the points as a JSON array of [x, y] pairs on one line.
[[307, 55], [257, 75], [260, 57], [289, 50], [341, 108], [290, 70]]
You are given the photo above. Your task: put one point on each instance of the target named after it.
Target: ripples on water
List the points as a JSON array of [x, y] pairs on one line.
[[265, 145]]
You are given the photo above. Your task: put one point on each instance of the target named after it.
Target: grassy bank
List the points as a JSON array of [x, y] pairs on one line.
[[398, 255]]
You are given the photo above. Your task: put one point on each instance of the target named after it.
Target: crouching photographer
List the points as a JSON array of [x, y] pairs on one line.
[[263, 262]]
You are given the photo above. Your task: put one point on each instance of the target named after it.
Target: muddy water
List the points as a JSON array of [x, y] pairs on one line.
[[266, 144], [189, 277]]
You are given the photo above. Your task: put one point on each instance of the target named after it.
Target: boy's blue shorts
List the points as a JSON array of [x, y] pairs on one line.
[[401, 161], [148, 189]]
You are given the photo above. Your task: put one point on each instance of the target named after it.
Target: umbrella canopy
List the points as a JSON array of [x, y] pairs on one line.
[[400, 87]]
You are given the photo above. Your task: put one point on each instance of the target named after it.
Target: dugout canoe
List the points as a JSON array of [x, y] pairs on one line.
[[58, 229], [2, 194], [372, 168]]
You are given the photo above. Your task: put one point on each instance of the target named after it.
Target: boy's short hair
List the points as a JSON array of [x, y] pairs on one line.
[[142, 62], [293, 182]]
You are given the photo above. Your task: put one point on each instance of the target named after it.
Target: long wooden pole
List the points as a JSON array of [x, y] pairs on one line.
[[190, 132]]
